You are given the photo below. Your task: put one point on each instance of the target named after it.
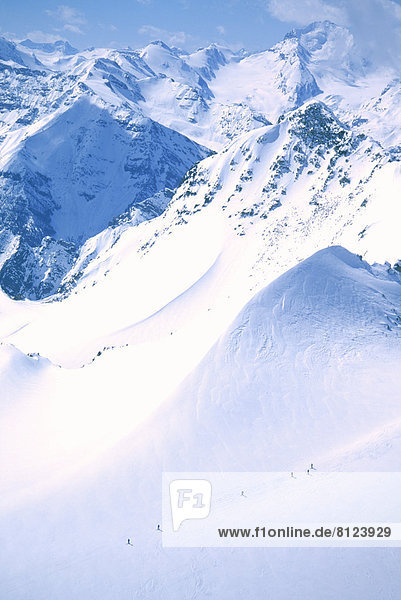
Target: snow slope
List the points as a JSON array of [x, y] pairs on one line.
[[306, 372], [295, 370]]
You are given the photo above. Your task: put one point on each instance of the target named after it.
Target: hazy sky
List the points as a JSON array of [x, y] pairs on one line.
[[189, 24]]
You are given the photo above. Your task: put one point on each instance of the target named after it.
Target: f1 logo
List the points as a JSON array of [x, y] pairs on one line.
[[190, 499]]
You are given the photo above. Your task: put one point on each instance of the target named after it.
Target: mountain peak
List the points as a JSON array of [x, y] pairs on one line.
[[59, 46], [161, 44], [318, 34], [8, 51], [330, 48], [315, 29]]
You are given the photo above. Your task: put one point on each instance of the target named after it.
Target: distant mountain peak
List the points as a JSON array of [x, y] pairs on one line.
[[317, 27], [59, 46], [161, 44], [330, 47]]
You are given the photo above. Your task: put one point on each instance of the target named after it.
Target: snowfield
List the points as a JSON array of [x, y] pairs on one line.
[[306, 372]]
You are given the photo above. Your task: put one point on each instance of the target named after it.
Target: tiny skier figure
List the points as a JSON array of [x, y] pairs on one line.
[[292, 474], [159, 528], [312, 467], [129, 542], [307, 470], [243, 494]]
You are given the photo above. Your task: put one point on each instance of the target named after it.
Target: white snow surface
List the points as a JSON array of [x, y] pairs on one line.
[[307, 372]]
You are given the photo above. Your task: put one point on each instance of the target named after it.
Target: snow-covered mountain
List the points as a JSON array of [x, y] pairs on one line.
[[61, 47], [200, 265], [87, 136], [70, 165]]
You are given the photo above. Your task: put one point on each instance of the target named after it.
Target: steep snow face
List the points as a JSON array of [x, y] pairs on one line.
[[306, 372], [28, 98], [76, 152], [9, 52], [35, 271]]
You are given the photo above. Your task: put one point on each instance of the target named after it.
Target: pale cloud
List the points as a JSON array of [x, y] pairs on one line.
[[307, 11], [221, 29], [73, 28], [71, 18], [341, 12], [108, 26], [172, 38], [68, 14]]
